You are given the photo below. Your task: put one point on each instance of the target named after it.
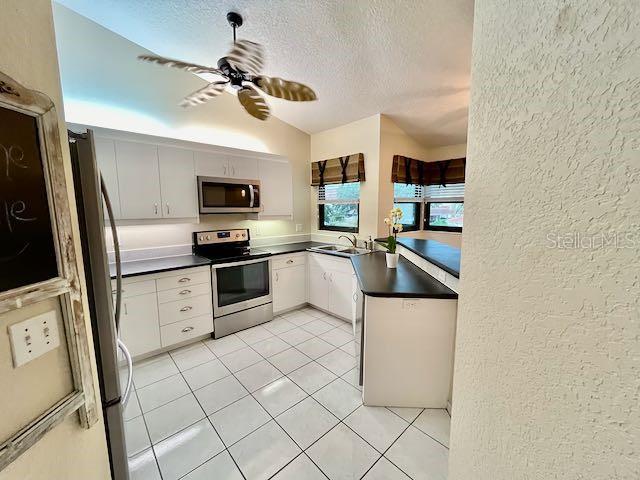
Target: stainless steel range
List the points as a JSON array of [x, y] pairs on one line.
[[241, 279]]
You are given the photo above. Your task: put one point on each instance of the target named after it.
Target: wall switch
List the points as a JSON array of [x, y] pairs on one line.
[[299, 227], [33, 337]]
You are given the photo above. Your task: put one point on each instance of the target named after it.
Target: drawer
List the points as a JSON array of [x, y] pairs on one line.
[[171, 312], [184, 279], [284, 261], [132, 289], [186, 330], [182, 293]]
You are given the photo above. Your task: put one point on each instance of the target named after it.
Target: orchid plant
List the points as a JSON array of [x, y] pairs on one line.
[[393, 224]]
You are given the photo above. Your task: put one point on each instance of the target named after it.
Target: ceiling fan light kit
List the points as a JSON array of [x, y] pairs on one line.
[[239, 69]]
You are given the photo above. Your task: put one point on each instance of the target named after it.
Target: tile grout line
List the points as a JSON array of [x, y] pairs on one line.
[[272, 417]]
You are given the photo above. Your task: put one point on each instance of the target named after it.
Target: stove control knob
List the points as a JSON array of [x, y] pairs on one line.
[[208, 237], [238, 235], [244, 235]]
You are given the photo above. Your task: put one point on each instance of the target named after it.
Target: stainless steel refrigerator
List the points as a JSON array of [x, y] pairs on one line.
[[90, 195]]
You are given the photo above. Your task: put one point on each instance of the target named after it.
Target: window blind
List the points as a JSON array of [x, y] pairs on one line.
[[454, 191], [407, 192], [339, 193]]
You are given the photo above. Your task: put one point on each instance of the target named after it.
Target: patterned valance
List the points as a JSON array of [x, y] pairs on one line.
[[411, 171], [349, 168]]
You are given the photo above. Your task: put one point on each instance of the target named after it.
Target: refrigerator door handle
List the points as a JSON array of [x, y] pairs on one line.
[[127, 356], [116, 250]]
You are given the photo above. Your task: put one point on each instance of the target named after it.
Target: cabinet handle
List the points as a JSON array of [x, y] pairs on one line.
[[126, 312], [184, 279], [186, 309], [168, 209], [233, 169], [324, 275], [277, 276], [290, 261], [155, 208], [225, 170], [355, 297], [186, 329], [185, 292]]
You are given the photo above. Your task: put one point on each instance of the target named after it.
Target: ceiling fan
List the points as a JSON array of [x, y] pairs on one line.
[[240, 69]]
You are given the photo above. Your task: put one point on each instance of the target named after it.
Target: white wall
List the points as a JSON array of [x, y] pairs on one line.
[[362, 136], [105, 85], [28, 54], [546, 378]]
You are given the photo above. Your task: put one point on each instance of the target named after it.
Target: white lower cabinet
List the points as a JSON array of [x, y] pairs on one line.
[[139, 327], [289, 280], [332, 285], [163, 309]]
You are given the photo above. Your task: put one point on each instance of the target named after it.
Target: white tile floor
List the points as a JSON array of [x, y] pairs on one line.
[[279, 401]]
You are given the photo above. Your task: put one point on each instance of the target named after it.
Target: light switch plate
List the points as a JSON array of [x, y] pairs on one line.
[[33, 337]]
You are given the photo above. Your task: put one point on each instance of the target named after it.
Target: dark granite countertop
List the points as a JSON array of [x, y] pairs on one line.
[[407, 281], [290, 247], [444, 256], [155, 265]]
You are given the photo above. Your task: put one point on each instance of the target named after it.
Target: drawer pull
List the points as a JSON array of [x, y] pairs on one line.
[[185, 292], [186, 309], [290, 261], [184, 280], [186, 329]]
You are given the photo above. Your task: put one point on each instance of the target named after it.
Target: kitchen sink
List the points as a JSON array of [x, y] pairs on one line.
[[329, 248], [340, 250]]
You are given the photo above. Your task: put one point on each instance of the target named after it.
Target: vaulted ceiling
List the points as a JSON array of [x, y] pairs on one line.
[[409, 59]]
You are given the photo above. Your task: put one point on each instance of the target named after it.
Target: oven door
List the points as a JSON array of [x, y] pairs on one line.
[[228, 195], [238, 286]]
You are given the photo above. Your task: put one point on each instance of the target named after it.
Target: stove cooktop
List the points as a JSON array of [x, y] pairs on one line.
[[234, 255]]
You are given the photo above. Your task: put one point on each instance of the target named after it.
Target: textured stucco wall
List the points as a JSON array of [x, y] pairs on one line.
[[547, 375]]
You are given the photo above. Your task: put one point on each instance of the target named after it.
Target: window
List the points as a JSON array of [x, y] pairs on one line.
[[409, 199], [444, 208], [339, 207]]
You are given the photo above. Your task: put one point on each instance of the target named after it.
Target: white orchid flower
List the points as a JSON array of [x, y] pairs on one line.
[[387, 221]]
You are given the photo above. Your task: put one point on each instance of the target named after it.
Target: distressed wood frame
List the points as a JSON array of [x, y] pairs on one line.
[[66, 286]]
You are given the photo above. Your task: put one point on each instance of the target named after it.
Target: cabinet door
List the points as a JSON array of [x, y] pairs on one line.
[[106, 160], [211, 164], [138, 180], [341, 294], [139, 326], [318, 286], [246, 168], [289, 288], [177, 183], [276, 189]]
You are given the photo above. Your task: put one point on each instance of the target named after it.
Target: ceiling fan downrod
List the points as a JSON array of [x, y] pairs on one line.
[[235, 20]]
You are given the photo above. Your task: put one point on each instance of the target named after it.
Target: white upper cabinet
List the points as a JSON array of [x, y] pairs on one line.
[[276, 184], [178, 186], [210, 164], [106, 160], [138, 180], [246, 168]]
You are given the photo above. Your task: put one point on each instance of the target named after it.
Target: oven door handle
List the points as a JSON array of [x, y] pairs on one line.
[[243, 262], [251, 196]]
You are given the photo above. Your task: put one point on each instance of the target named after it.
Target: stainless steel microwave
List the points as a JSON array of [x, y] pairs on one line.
[[228, 195]]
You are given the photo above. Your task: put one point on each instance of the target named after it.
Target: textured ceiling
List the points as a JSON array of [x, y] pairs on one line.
[[409, 59]]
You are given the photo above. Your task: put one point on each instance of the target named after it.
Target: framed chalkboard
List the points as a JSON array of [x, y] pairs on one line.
[[27, 248], [38, 248]]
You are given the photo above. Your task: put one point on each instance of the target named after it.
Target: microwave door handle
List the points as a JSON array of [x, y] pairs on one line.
[[251, 196]]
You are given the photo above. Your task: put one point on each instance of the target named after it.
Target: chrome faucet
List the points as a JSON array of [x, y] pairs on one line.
[[353, 241]]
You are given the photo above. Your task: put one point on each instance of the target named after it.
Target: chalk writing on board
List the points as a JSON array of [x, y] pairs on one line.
[[27, 246]]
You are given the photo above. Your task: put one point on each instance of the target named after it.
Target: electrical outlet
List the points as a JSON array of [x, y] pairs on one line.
[[299, 227], [409, 304], [33, 337]]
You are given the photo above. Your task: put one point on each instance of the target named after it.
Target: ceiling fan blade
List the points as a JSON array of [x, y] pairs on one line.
[[253, 103], [205, 93], [247, 56], [189, 67], [277, 87]]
